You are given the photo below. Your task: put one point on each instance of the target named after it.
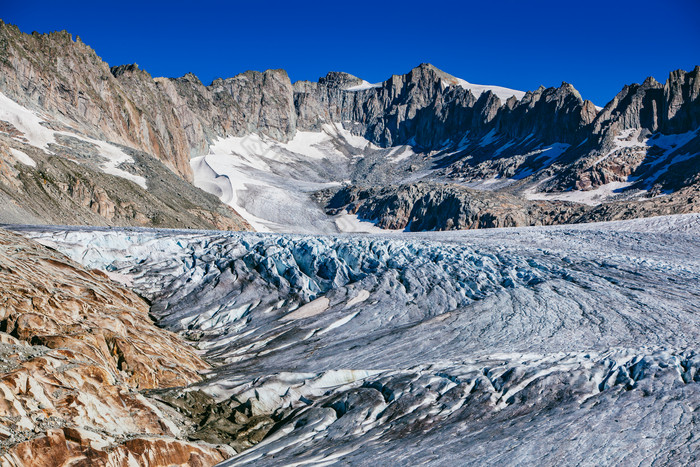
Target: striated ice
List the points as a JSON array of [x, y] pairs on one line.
[[547, 345]]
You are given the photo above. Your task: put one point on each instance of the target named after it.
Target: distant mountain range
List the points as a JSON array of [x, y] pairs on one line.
[[83, 143]]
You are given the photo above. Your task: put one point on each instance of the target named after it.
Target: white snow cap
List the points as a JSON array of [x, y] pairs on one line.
[[364, 85], [478, 89]]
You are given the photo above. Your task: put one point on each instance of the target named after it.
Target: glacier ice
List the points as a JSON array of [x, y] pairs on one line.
[[549, 345]]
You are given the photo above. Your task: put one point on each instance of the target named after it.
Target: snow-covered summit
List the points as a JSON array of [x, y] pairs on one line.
[[478, 89]]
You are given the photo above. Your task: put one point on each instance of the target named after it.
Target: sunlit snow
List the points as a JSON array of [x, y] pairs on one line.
[[269, 183], [478, 89], [38, 135], [363, 86]]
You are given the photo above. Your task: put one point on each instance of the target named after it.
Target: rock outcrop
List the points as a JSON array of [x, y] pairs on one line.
[[76, 350], [425, 108], [670, 108], [67, 188], [625, 138], [73, 446], [425, 207], [66, 79], [681, 104], [636, 106]]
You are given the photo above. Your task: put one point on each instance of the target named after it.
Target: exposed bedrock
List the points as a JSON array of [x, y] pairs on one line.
[[76, 349]]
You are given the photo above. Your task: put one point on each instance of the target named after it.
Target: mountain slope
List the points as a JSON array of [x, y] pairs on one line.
[[253, 140], [61, 157]]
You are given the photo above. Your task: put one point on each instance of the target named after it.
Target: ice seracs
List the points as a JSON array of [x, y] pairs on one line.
[[401, 347]]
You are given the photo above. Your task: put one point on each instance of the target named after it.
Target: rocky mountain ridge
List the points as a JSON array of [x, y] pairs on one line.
[[543, 144], [426, 207]]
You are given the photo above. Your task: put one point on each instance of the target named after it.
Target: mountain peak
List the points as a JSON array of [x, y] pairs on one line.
[[651, 82], [569, 88], [428, 66], [339, 79]]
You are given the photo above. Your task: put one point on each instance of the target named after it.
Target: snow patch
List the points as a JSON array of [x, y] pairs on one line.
[[590, 197], [490, 184], [478, 89], [313, 308], [359, 298], [363, 86], [351, 223], [544, 158], [124, 279], [489, 138], [400, 153], [39, 136], [342, 321], [670, 144], [22, 157], [25, 121], [219, 174], [116, 157], [269, 182]]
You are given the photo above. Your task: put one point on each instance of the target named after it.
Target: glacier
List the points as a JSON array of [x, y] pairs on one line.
[[555, 345]]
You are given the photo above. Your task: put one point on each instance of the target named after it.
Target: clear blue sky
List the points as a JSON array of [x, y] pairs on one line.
[[598, 46]]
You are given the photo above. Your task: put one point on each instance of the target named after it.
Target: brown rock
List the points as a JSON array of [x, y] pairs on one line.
[[49, 300], [74, 347], [69, 446]]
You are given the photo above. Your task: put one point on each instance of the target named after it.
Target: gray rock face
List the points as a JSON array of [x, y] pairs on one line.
[[550, 140], [418, 108], [66, 80], [426, 207], [258, 102], [338, 79], [431, 206], [670, 108], [636, 106], [551, 115], [681, 105], [625, 135]]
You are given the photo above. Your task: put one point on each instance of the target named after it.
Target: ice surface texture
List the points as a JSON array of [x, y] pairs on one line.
[[571, 345]]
